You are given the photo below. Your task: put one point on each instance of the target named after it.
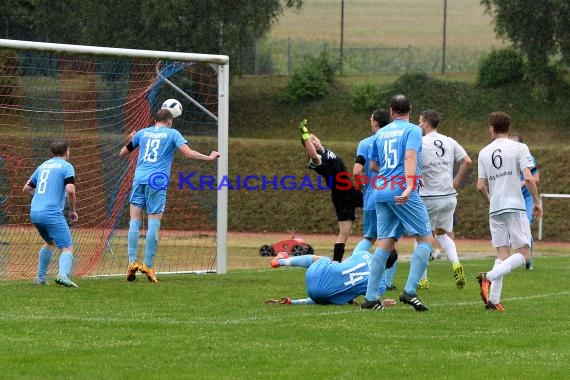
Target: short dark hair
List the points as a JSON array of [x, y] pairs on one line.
[[382, 117], [431, 116], [500, 121], [400, 105], [59, 147], [163, 115]]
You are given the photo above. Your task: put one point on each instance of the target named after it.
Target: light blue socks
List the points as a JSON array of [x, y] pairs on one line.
[[151, 241], [44, 257], [418, 264], [65, 264], [133, 239], [377, 269], [303, 261], [363, 245]]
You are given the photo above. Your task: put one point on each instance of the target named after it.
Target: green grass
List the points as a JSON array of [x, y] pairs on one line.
[[217, 327]]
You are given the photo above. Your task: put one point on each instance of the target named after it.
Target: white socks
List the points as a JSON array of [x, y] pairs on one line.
[[496, 286], [509, 264], [448, 245]]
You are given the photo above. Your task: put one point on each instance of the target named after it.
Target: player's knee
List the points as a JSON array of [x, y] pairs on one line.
[[440, 231], [428, 239], [51, 246]]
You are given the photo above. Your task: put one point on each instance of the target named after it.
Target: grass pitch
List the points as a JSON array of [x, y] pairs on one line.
[[217, 327]]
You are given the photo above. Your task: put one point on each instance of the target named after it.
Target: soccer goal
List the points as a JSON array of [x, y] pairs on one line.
[[94, 97]]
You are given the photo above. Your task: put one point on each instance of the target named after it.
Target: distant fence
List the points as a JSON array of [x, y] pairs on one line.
[[282, 57]]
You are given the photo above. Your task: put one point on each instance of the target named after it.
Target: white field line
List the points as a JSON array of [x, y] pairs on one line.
[[328, 310]]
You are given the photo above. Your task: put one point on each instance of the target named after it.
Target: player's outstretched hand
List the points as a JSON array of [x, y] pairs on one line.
[[304, 129], [388, 302], [281, 301], [214, 155], [537, 210]]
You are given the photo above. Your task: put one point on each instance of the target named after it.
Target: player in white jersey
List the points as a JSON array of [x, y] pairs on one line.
[[499, 166], [439, 190]]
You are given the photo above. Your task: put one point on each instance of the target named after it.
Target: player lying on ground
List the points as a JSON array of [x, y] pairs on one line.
[[331, 282]]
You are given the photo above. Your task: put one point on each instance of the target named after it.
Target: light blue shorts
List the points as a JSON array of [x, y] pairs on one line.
[[411, 217], [53, 229], [369, 224], [144, 196]]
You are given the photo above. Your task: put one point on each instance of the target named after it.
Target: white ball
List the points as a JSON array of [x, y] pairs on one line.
[[174, 106]]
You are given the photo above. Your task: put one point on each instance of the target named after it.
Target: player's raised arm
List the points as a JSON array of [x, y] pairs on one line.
[[194, 155], [309, 141]]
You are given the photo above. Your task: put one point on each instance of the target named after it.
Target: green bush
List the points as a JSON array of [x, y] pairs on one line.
[[311, 81], [500, 67], [365, 97]]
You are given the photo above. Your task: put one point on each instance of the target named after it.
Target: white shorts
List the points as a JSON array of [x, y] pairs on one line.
[[510, 229], [440, 211]]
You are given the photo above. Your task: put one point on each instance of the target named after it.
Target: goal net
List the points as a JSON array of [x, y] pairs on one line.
[[94, 97]]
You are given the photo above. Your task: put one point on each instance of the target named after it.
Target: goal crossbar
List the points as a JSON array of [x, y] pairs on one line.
[[99, 50], [222, 62]]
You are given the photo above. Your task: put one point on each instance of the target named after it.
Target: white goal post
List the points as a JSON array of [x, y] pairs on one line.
[[220, 64], [542, 196]]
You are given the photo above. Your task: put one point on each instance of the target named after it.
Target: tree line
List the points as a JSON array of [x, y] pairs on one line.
[[540, 30], [229, 27]]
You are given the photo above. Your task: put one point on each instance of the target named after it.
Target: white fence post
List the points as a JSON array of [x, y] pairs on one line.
[[564, 196]]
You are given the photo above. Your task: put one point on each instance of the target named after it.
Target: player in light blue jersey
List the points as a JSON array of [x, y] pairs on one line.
[[529, 203], [363, 172], [157, 145], [49, 186], [331, 282], [397, 150]]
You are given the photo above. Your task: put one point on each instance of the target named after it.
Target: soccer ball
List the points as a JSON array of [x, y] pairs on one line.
[[173, 106]]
